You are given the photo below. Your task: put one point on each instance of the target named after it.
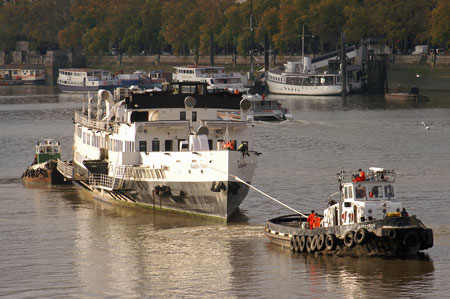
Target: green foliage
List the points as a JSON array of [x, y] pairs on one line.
[[186, 25]]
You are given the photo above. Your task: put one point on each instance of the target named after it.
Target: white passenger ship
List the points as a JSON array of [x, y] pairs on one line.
[[165, 149], [303, 77], [85, 80], [214, 76]]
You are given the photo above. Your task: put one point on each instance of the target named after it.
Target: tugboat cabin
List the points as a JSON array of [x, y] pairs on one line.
[[364, 198], [47, 149]]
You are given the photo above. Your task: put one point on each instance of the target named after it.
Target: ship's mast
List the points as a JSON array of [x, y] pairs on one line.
[[251, 36]]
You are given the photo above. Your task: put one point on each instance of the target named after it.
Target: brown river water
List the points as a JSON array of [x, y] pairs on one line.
[[57, 242]]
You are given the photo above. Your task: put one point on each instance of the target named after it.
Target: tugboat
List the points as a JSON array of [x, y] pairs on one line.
[[43, 169], [366, 221]]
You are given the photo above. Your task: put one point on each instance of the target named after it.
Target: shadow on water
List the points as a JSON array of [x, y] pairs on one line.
[[365, 277]]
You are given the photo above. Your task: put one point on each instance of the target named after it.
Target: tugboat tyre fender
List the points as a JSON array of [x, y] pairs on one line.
[[411, 239], [291, 244], [296, 243], [313, 244], [320, 242], [330, 242], [361, 235], [392, 234], [302, 244], [308, 244], [349, 239], [429, 237]]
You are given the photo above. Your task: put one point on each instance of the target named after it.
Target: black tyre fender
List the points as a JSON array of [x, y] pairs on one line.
[[392, 234], [361, 235], [291, 243], [349, 239], [313, 244], [429, 237], [296, 241], [320, 242], [308, 244], [411, 239], [302, 244], [330, 242]]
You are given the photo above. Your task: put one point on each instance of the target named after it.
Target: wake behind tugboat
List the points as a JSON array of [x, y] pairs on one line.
[[367, 221]]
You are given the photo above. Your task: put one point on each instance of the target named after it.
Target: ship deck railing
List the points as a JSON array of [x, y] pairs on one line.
[[84, 120], [101, 181], [69, 172], [385, 176]]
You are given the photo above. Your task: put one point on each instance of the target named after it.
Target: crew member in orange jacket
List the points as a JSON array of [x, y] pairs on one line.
[[310, 219], [316, 223]]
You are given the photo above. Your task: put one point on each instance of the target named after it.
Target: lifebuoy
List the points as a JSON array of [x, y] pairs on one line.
[[330, 242], [361, 235], [349, 239], [350, 217]]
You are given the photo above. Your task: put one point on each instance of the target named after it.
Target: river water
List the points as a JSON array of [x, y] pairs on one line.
[[59, 242]]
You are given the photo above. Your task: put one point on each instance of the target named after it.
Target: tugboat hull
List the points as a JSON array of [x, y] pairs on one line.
[[44, 173], [388, 237]]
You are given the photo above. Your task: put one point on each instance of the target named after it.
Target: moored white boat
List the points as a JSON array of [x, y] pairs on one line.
[[367, 220], [214, 76], [22, 74], [165, 149], [267, 109], [85, 80]]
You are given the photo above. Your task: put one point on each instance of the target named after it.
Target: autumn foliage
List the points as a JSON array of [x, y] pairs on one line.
[[185, 26]]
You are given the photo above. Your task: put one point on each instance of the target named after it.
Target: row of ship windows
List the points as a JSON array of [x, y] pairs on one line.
[[129, 146]]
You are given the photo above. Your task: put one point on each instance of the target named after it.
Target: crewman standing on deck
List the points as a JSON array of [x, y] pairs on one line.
[[310, 218], [316, 223]]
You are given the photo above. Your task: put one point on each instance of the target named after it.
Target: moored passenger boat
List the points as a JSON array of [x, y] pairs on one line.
[[267, 109], [43, 169], [367, 220], [22, 74], [214, 76], [85, 80], [165, 150]]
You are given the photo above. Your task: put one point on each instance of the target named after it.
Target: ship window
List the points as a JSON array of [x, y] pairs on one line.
[[389, 191], [376, 192], [360, 192], [210, 144], [142, 146], [194, 115], [182, 115], [168, 145], [155, 145]]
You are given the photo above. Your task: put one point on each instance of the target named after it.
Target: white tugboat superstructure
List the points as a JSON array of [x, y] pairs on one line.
[[165, 149]]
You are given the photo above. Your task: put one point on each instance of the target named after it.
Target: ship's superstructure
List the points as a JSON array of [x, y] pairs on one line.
[[167, 149]]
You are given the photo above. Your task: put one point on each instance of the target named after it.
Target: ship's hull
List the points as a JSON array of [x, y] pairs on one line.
[[204, 199], [84, 89], [205, 189], [46, 173], [388, 237], [313, 90]]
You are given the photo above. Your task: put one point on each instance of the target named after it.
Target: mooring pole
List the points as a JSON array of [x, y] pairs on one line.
[[343, 65]]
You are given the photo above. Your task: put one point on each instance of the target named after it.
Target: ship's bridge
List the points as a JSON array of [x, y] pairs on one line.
[[378, 184]]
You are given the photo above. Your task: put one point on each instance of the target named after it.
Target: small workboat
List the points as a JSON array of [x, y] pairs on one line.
[[266, 109], [400, 94], [43, 169], [367, 220]]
